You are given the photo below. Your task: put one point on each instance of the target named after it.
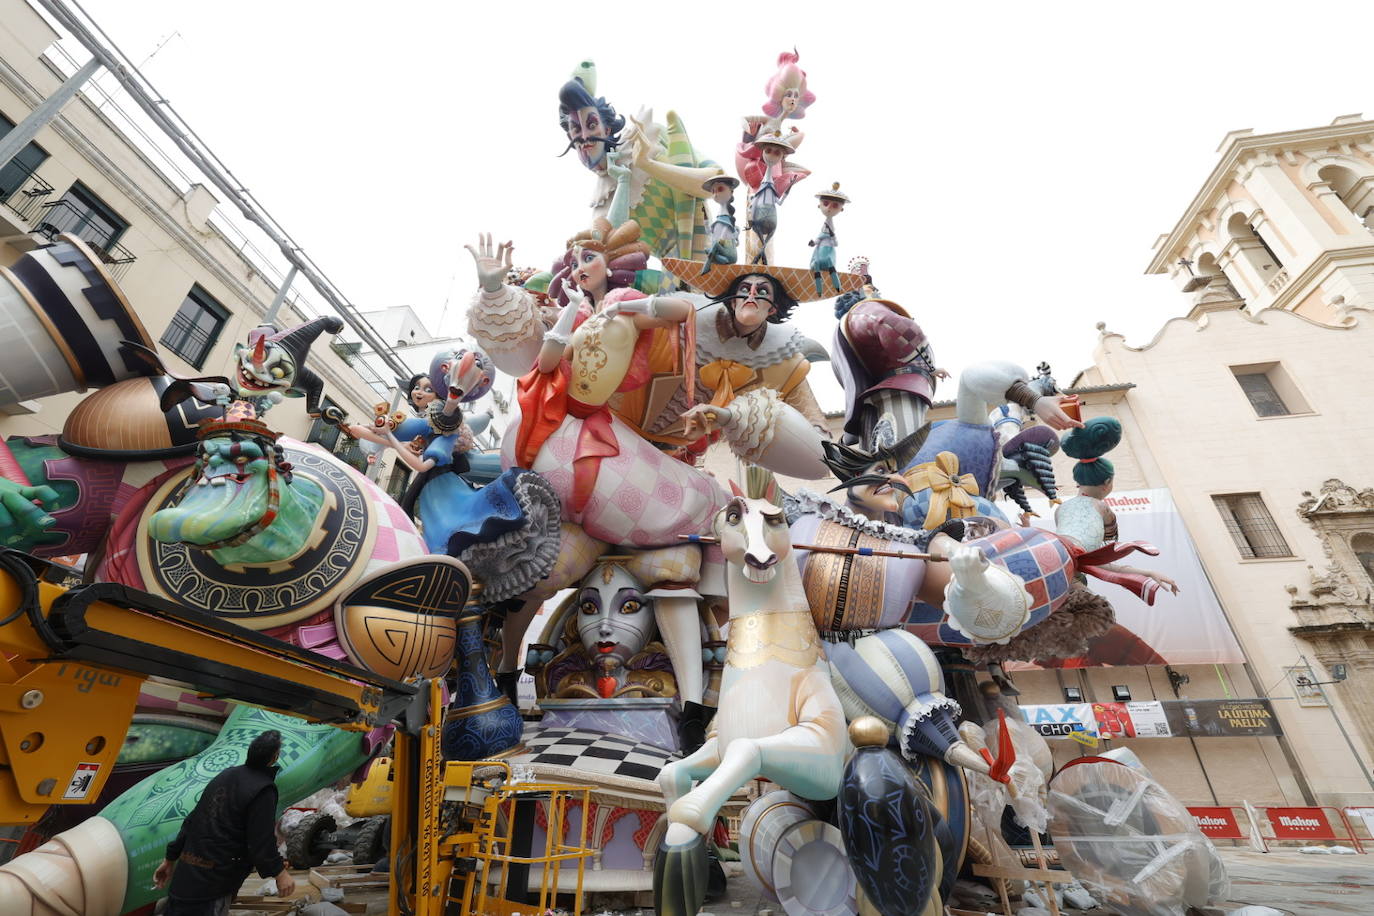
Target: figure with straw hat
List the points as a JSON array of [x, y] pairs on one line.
[[832, 202], [762, 163]]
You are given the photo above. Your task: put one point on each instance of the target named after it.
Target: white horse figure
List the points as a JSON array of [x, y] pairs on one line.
[[779, 716]]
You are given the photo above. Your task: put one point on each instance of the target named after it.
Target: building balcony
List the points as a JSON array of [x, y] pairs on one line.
[[22, 195], [69, 216]]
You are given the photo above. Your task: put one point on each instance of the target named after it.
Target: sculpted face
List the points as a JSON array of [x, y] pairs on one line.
[[229, 496], [722, 192], [614, 619], [422, 393], [588, 133], [830, 207], [263, 367], [876, 496], [753, 301], [754, 536], [590, 271]]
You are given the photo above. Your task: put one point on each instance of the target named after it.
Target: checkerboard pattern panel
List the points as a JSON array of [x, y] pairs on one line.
[[595, 752]]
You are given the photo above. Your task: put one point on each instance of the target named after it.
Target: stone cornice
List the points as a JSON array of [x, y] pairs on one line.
[[1232, 157]]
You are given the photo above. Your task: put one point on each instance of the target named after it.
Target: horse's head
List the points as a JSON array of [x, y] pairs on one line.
[[752, 529]]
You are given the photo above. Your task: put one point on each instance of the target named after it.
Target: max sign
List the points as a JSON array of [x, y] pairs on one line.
[[1060, 720]]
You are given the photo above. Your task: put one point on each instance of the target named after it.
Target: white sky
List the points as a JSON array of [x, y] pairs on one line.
[[1010, 164]]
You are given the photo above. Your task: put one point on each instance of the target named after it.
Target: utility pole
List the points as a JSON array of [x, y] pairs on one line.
[[280, 300], [24, 132]]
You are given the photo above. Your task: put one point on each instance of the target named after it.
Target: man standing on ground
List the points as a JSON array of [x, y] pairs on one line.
[[230, 832]]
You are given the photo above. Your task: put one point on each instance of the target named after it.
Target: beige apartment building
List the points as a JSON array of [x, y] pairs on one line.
[[197, 284]]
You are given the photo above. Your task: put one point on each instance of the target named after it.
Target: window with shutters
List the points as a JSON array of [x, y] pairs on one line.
[[1251, 526]]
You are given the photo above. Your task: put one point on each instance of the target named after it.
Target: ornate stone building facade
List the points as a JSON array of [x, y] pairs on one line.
[[1252, 408]]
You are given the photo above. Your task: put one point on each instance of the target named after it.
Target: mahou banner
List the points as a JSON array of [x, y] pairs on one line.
[[1184, 629]]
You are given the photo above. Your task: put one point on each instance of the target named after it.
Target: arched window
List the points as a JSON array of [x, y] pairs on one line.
[[1356, 192], [1363, 545], [1252, 246]]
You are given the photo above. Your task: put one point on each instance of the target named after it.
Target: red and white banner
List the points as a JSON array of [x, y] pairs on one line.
[[1217, 823], [1299, 823], [1184, 629]]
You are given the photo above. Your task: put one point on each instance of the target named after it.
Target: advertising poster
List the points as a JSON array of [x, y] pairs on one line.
[[1222, 718], [1061, 720], [1184, 629]]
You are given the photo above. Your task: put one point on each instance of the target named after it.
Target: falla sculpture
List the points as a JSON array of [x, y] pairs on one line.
[[664, 326]]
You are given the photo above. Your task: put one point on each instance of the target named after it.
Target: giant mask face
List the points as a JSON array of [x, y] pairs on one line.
[[264, 367], [614, 618], [230, 494]]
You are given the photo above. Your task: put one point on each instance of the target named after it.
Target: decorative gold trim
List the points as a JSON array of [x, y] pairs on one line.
[[467, 711], [48, 326], [785, 636]]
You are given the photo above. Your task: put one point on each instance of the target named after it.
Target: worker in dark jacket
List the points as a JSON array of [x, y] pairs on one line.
[[230, 832]]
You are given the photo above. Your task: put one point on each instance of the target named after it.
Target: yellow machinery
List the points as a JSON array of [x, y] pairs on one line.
[[72, 661], [457, 817], [372, 796]]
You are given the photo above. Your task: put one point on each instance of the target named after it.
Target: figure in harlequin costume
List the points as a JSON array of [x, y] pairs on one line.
[[566, 431], [724, 233], [823, 258], [661, 189], [615, 486]]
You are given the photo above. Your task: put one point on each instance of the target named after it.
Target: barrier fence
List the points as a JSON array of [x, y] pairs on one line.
[[1284, 824]]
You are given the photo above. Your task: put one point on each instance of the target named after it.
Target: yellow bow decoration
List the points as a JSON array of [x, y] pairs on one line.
[[951, 495], [724, 377]]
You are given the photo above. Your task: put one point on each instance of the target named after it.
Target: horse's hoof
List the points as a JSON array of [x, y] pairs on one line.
[[691, 727], [681, 876]]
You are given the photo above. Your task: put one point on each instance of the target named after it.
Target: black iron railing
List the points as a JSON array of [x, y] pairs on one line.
[[70, 216], [21, 190]]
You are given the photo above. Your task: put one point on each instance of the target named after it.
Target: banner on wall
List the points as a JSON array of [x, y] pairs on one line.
[[1061, 720], [1223, 718], [1184, 629]]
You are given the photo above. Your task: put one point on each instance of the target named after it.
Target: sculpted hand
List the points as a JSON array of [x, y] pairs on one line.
[[574, 295], [616, 167], [1047, 409], [493, 263], [704, 419], [22, 518]]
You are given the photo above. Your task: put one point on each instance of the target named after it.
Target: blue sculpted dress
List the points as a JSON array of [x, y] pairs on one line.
[[454, 513]]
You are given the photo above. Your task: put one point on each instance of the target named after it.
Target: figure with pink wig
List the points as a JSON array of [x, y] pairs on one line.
[[761, 157], [788, 96]]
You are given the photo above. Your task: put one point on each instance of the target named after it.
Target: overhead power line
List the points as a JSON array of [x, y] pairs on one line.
[[79, 24]]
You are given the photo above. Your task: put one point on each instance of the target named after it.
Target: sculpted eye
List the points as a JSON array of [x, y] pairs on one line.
[[589, 608], [774, 520], [630, 607], [732, 517]]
